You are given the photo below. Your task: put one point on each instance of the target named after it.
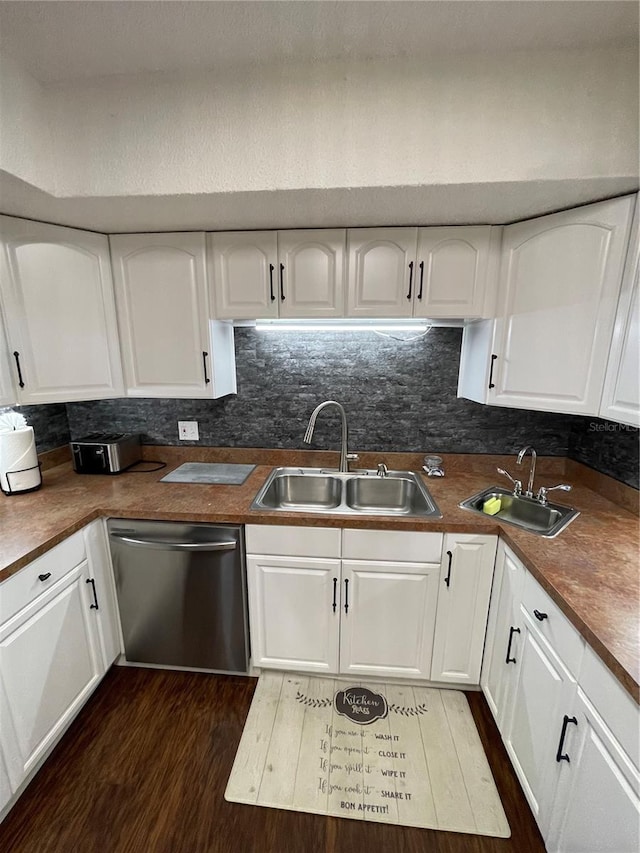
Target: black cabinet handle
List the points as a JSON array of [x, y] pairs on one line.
[[282, 297], [491, 385], [447, 580], [512, 631], [204, 364], [346, 596], [335, 593], [44, 577], [421, 279], [16, 355], [540, 616], [94, 606], [410, 279], [560, 756], [271, 293]]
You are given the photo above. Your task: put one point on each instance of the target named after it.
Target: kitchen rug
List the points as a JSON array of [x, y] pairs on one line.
[[380, 752]]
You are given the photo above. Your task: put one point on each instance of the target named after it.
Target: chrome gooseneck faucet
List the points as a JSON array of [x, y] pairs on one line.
[[532, 469], [343, 444]]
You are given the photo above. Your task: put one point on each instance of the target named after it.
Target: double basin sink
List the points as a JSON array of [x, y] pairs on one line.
[[398, 493], [352, 493]]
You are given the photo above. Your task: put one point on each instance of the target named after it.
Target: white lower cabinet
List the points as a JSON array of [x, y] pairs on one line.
[[542, 692], [368, 602], [568, 725], [503, 642], [388, 617], [463, 603], [53, 641], [293, 622], [597, 801], [55, 618], [370, 613]]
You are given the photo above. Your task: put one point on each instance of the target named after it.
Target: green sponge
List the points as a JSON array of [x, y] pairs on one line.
[[492, 506]]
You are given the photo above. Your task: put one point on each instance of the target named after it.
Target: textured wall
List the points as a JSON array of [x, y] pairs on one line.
[[608, 447], [537, 115], [398, 396]]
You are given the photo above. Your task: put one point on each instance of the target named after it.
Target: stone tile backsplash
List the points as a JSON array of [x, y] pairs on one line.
[[400, 395]]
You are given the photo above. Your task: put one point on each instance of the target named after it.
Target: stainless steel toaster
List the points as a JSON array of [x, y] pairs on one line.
[[106, 453]]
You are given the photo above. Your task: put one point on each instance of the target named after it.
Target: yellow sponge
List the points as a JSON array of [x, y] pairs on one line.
[[492, 506]]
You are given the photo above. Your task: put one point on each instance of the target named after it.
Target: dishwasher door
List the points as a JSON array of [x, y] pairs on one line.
[[181, 593]]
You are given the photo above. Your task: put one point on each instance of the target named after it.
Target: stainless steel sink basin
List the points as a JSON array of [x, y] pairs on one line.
[[352, 493], [527, 513], [388, 495], [312, 491]]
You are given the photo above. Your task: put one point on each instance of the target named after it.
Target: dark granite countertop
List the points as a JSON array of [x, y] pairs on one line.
[[591, 570]]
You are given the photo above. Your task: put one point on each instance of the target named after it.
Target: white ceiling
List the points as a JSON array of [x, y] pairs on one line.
[[60, 41]]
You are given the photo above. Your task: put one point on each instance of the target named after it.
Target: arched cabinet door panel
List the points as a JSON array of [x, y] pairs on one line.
[[382, 271], [170, 348], [311, 273], [559, 285], [58, 304], [245, 274]]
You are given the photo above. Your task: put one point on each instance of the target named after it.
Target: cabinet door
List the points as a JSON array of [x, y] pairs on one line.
[[106, 616], [7, 392], [543, 691], [245, 274], [452, 272], [463, 606], [5, 785], [597, 803], [388, 618], [559, 286], [59, 311], [382, 271], [49, 664], [294, 623], [621, 393], [163, 312], [311, 273], [504, 635]]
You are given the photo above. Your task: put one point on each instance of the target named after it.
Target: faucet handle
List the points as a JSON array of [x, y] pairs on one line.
[[542, 491], [517, 484], [382, 469]]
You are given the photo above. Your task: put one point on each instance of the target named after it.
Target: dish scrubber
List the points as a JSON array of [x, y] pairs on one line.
[[492, 506]]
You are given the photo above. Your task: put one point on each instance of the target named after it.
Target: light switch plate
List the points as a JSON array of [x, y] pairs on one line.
[[188, 431]]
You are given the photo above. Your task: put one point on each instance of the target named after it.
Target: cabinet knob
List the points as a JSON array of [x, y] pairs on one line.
[[44, 577], [540, 616]]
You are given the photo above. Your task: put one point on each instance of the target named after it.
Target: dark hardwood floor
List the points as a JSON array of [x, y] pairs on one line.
[[144, 767]]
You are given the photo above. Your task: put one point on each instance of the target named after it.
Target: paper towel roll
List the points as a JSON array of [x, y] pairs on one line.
[[17, 452]]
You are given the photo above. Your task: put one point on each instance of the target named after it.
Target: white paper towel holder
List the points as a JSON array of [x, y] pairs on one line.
[[19, 491]]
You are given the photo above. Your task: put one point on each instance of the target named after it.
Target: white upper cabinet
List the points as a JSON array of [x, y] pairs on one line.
[[425, 272], [559, 283], [621, 393], [453, 271], [57, 296], [170, 347], [7, 391], [245, 274], [382, 271], [271, 274], [311, 273]]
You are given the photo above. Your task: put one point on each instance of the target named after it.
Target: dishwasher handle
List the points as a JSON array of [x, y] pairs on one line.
[[167, 545]]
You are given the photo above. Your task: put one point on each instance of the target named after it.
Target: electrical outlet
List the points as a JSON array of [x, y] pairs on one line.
[[188, 430]]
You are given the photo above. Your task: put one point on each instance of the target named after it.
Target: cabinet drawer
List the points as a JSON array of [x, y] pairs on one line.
[[393, 545], [553, 625], [288, 541], [25, 586], [611, 700]]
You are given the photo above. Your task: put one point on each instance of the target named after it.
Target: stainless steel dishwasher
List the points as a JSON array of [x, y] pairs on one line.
[[181, 593]]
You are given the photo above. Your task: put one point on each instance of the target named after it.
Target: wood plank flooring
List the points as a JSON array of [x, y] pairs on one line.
[[144, 767]]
